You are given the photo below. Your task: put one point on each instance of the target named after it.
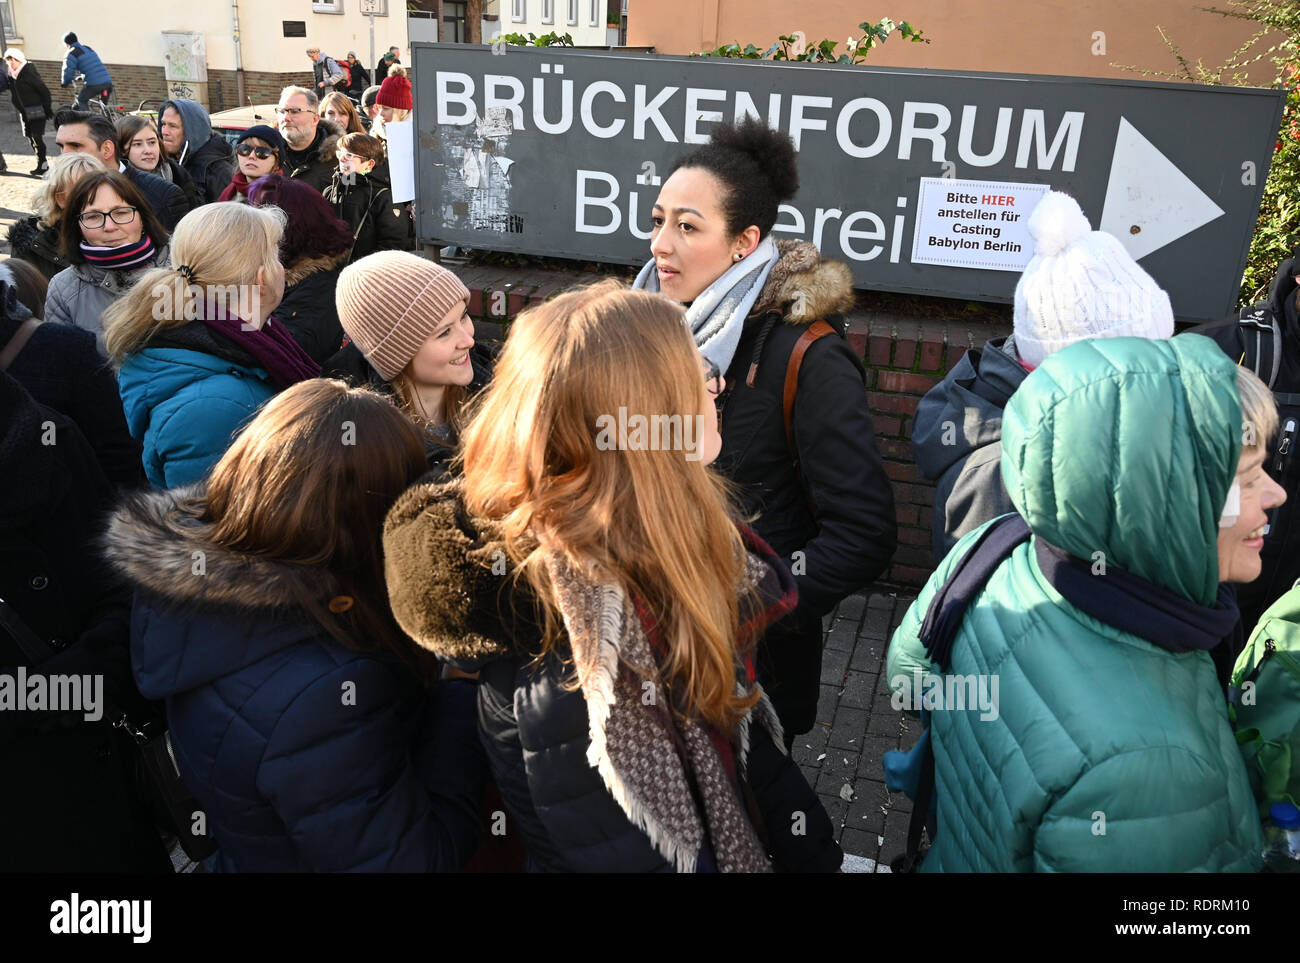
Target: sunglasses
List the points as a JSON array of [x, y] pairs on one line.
[[262, 153]]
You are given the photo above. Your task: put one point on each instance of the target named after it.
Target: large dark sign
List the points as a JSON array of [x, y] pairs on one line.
[[920, 180]]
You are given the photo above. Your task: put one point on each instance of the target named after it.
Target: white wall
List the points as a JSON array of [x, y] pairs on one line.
[[135, 37], [583, 33]]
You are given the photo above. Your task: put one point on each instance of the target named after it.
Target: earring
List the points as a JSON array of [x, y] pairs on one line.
[[737, 256]]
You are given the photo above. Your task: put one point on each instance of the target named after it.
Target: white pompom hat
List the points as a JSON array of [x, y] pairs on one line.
[[1081, 284]]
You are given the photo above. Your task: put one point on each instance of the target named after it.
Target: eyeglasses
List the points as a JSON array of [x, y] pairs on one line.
[[292, 111], [95, 219], [713, 379], [262, 153]]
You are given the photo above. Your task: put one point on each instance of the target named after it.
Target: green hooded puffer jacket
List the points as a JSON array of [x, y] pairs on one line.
[[1101, 752]]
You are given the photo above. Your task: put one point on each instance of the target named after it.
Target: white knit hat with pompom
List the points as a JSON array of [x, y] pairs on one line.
[[1081, 284]]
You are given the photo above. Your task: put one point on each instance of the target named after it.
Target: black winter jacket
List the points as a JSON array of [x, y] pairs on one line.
[[315, 163], [211, 167], [1281, 553], [307, 755], [38, 245], [62, 368], [308, 309], [165, 199], [367, 205], [68, 805], [535, 724], [26, 90], [852, 538]]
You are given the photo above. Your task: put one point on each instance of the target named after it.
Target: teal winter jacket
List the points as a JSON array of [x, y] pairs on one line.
[[1102, 752], [185, 406]]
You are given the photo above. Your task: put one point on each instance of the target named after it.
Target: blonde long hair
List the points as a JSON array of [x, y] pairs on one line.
[[223, 245], [656, 523], [65, 171]]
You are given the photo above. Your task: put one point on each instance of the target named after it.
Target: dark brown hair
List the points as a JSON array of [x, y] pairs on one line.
[[308, 483], [30, 286], [70, 236], [363, 145]]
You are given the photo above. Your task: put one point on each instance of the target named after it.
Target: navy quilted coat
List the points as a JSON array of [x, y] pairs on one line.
[[1107, 753], [306, 755]]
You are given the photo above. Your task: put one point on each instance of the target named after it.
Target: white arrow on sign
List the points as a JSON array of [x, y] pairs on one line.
[[1149, 201]]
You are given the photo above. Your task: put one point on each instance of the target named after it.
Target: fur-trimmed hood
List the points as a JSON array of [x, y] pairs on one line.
[[306, 267], [449, 584], [805, 288], [162, 549]]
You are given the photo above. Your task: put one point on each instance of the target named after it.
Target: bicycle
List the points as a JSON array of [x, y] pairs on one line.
[[101, 105]]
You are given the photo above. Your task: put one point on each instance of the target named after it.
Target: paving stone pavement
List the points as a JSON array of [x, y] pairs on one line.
[[840, 755]]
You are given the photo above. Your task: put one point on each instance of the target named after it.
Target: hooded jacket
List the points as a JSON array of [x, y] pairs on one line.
[[38, 245], [957, 440], [186, 395], [439, 566], [293, 776], [81, 293], [1281, 553], [367, 205], [1122, 451], [205, 155]]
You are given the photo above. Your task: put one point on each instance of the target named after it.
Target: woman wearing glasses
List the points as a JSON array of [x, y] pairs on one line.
[[610, 599], [361, 193], [259, 151], [110, 238], [797, 437]]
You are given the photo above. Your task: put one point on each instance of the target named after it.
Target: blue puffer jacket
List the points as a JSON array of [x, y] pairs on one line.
[[82, 59], [186, 396], [306, 755]]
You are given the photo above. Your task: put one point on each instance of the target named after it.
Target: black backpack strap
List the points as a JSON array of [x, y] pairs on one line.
[[942, 620], [1261, 338]]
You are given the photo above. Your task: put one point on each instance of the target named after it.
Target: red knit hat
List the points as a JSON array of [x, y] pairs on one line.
[[395, 91]]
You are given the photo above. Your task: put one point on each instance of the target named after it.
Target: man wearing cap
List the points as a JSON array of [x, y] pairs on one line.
[[1266, 339]]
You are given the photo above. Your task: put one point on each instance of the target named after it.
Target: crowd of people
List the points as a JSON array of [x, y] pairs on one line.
[[400, 604]]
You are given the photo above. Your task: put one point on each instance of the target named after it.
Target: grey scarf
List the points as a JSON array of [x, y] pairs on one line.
[[717, 316]]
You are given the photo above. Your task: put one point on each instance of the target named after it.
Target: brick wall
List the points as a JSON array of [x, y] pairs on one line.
[[904, 358], [134, 83]]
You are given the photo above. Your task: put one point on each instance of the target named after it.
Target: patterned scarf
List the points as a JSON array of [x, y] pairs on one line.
[[647, 758], [126, 257], [717, 315]]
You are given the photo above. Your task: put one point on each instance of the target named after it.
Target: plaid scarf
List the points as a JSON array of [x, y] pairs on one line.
[[647, 757]]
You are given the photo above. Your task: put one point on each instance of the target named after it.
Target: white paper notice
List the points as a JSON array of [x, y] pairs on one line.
[[975, 224], [401, 159]]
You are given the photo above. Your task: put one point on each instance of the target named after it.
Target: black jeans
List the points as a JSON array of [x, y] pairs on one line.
[[789, 667], [87, 92], [35, 132]]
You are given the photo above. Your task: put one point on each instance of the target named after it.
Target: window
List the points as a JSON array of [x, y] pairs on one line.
[[573, 12], [594, 17], [548, 11], [11, 31], [453, 22], [326, 6], [518, 10]]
